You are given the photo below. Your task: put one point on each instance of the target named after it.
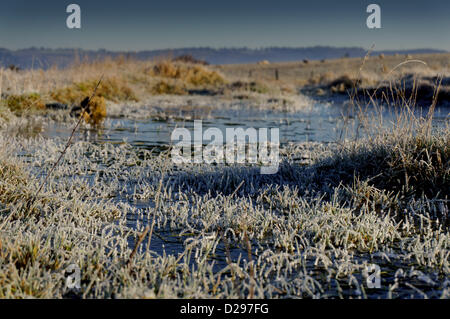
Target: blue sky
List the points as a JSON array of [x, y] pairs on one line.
[[149, 24]]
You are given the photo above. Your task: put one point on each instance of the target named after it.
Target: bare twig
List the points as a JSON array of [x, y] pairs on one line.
[[138, 243], [158, 194], [84, 105], [433, 104], [237, 188]]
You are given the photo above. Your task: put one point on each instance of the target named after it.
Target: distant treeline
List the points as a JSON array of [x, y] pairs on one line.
[[45, 58]]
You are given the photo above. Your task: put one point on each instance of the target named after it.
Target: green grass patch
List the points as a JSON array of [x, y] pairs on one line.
[[24, 103], [112, 89]]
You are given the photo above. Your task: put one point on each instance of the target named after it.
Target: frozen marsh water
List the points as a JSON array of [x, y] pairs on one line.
[[302, 244], [151, 126]]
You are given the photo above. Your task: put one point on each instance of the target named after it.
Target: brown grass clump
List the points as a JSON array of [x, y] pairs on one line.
[[200, 76], [163, 87], [187, 58], [190, 74], [111, 89], [166, 69], [24, 102], [96, 111]]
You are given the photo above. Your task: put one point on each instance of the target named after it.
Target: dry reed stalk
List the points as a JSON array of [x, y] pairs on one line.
[[433, 106], [84, 105], [237, 188], [362, 107], [154, 219], [138, 243]]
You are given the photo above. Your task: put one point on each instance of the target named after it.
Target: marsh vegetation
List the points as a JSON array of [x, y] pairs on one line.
[[359, 183]]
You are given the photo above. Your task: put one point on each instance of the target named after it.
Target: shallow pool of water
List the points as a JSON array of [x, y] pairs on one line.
[[325, 122]]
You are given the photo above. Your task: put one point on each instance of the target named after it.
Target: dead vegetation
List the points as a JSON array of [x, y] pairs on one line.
[[188, 74]]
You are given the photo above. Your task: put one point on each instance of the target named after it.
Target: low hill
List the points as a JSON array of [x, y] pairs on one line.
[[45, 58]]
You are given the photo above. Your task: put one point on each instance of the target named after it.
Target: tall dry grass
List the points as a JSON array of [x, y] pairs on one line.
[[124, 79], [390, 164]]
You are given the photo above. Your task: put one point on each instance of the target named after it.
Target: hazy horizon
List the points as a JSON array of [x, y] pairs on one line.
[[141, 25], [224, 48]]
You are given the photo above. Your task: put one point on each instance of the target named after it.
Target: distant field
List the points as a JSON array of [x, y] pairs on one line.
[[302, 73]]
